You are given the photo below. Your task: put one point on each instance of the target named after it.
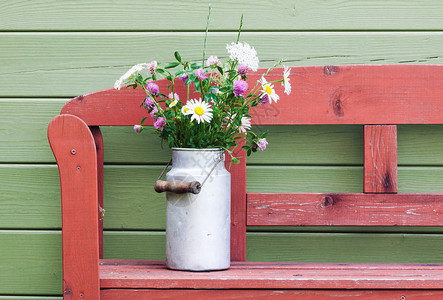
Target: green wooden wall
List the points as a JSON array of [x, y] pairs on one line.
[[52, 50]]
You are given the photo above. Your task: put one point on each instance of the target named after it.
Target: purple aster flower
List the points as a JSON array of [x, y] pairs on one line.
[[264, 99], [261, 144], [137, 128], [153, 88], [184, 77], [201, 74], [160, 123], [242, 69], [153, 111], [240, 86]]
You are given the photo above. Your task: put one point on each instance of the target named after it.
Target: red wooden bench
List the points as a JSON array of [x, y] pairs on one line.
[[378, 97]]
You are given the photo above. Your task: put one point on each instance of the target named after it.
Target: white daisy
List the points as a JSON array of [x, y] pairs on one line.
[[245, 124], [268, 89], [285, 81], [201, 111], [174, 97], [129, 75], [244, 54]]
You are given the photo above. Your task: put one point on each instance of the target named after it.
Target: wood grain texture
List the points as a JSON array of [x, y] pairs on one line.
[[88, 62], [326, 95], [74, 148], [345, 209], [274, 276], [380, 159], [98, 139], [32, 259], [307, 145], [287, 15], [238, 203], [145, 294], [31, 193]]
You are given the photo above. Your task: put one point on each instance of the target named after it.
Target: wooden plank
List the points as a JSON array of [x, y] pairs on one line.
[[297, 15], [380, 165], [327, 95], [75, 151], [238, 204], [39, 252], [98, 139], [307, 145], [145, 294], [345, 209], [87, 62], [21, 297], [310, 276], [31, 193]]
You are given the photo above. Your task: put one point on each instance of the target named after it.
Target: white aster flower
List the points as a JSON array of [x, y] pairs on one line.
[[244, 54], [285, 82], [129, 75], [201, 111], [268, 89]]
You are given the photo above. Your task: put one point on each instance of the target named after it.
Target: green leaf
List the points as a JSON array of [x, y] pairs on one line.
[[235, 160], [177, 56], [195, 66], [169, 77], [160, 71], [171, 65], [220, 69], [197, 84], [249, 152]]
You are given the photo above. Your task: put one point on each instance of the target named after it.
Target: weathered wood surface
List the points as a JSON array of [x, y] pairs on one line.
[[307, 145], [273, 276], [75, 151], [31, 193], [145, 294], [98, 139], [345, 209], [32, 15], [380, 159], [325, 95], [238, 204], [88, 62], [39, 252]]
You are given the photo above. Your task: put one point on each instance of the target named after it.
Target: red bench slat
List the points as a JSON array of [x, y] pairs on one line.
[[345, 209]]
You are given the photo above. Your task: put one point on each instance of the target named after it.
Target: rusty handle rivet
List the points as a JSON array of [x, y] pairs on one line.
[[402, 297], [78, 168], [81, 295], [73, 151]]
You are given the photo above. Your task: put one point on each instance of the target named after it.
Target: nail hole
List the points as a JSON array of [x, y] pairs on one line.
[[73, 151], [78, 168], [402, 297], [81, 295]]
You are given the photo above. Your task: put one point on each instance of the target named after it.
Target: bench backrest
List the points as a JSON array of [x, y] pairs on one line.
[[378, 97]]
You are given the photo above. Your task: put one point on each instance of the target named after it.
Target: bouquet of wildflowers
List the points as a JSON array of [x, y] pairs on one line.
[[216, 115]]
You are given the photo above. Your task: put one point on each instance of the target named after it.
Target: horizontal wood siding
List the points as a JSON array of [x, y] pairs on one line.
[[53, 50]]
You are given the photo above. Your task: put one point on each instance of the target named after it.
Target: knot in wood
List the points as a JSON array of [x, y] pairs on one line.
[[328, 201]]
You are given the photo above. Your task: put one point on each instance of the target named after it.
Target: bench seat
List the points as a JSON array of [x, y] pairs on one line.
[[140, 274]]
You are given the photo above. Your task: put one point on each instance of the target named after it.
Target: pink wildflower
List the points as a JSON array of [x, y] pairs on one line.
[[261, 144], [184, 77], [152, 66], [212, 60], [240, 86], [152, 88], [153, 111], [160, 123], [264, 99], [201, 74], [149, 103], [137, 128], [242, 69]]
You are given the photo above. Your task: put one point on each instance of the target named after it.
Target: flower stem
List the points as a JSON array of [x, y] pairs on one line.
[[206, 35]]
